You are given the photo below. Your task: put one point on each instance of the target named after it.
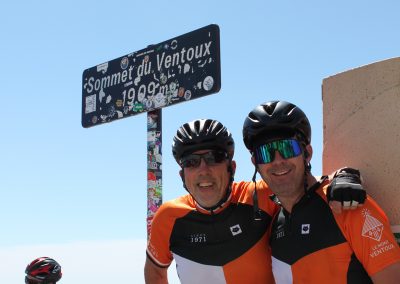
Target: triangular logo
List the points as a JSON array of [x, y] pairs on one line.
[[372, 227]]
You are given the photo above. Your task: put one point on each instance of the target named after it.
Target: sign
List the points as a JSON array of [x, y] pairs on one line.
[[174, 71]]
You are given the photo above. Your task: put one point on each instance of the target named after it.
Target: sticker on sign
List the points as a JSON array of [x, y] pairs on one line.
[[174, 71]]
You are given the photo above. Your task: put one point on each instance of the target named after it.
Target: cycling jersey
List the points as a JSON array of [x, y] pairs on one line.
[[228, 246], [312, 245]]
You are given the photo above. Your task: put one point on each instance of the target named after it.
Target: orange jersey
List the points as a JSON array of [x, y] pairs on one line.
[[312, 245], [228, 246]]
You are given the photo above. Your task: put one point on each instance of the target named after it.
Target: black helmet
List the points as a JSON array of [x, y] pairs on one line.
[[43, 270], [275, 119], [202, 134]]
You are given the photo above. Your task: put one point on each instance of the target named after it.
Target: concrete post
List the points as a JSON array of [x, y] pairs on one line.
[[361, 112]]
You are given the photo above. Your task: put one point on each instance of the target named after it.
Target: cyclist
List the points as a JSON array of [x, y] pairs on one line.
[[309, 244]]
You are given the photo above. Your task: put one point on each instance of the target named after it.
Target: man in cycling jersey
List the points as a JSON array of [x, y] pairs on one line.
[[309, 244]]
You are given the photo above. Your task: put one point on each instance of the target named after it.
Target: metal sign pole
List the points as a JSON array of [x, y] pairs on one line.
[[154, 164]]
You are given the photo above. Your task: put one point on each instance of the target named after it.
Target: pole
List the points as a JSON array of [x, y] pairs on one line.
[[154, 164]]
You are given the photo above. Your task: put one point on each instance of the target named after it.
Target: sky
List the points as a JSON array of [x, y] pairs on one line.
[[79, 194]]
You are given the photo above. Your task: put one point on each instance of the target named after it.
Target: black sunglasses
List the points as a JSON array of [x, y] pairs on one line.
[[210, 158]]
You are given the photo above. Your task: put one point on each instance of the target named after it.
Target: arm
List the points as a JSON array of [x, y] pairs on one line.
[[158, 255], [154, 274], [389, 275]]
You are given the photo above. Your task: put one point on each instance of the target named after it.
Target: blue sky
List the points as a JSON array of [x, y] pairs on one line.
[[65, 190]]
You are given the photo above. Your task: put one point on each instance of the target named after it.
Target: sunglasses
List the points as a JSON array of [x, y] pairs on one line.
[[210, 158], [287, 148]]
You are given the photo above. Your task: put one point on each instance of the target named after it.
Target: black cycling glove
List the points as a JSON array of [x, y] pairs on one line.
[[346, 188]]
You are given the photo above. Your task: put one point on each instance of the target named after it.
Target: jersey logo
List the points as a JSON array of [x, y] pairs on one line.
[[372, 227], [236, 230], [279, 232], [305, 229], [198, 238]]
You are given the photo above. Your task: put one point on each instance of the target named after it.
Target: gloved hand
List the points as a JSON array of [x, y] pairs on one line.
[[346, 188]]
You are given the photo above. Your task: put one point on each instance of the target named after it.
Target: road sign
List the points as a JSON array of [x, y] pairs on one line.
[[174, 71]]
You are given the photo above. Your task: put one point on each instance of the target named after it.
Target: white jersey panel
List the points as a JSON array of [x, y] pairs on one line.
[[282, 272], [191, 272]]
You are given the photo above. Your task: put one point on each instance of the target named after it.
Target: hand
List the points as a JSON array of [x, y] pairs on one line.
[[345, 190]]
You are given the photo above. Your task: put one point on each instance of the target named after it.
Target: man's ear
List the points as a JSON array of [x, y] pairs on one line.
[[308, 152], [182, 174], [233, 167]]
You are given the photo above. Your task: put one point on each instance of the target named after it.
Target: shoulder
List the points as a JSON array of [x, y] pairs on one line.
[[241, 186], [248, 186], [243, 193], [176, 207], [167, 214]]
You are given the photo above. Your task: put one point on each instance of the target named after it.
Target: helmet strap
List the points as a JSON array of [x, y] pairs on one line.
[[307, 171], [256, 209]]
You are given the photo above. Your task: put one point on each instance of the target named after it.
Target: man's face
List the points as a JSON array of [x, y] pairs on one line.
[[285, 177], [208, 183]]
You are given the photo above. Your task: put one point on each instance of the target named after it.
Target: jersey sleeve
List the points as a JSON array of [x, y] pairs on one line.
[[160, 232], [367, 229]]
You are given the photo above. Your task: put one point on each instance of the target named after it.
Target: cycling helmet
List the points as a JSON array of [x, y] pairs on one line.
[[202, 134], [275, 119], [43, 270]]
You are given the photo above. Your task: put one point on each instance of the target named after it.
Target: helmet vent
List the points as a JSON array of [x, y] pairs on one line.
[[196, 127], [289, 109], [208, 126], [252, 116], [269, 108], [218, 128], [187, 131]]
